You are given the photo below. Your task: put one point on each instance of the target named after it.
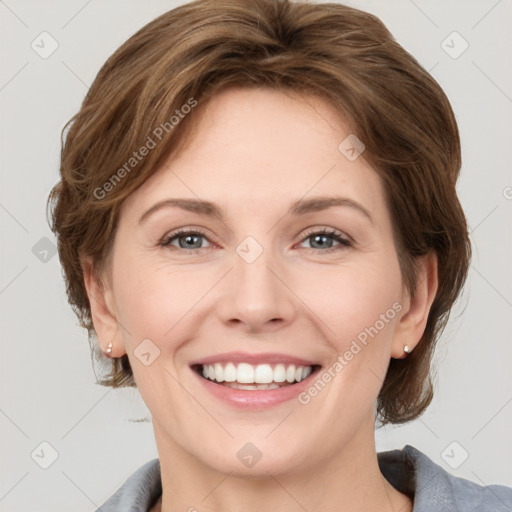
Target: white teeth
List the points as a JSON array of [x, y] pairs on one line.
[[290, 373], [279, 373], [245, 373], [262, 375], [230, 372], [236, 385], [219, 372]]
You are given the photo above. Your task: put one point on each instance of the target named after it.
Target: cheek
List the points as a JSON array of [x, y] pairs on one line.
[[157, 301], [360, 309], [355, 300]]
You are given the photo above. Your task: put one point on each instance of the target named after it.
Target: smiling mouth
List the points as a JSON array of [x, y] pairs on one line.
[[254, 377]]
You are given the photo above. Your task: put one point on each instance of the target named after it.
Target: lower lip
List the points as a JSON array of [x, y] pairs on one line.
[[256, 399]]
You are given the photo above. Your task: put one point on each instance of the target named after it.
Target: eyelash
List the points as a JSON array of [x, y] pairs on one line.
[[335, 235]]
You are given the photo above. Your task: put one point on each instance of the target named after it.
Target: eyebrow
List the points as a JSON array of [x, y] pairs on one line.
[[300, 207]]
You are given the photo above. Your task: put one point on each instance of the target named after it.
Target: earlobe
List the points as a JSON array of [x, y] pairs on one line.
[[103, 311], [411, 326]]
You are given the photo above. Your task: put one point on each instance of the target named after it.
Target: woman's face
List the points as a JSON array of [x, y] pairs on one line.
[[259, 286]]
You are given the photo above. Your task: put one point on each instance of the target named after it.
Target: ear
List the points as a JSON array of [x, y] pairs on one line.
[[103, 312], [410, 327]]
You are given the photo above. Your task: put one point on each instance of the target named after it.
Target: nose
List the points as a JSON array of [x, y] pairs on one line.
[[256, 295]]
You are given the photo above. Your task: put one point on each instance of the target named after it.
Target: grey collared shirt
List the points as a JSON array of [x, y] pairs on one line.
[[410, 471]]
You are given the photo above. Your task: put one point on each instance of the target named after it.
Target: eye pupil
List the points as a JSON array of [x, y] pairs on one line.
[[188, 239], [321, 239]]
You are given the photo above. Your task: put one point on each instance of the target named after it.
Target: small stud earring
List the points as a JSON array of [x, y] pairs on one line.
[[407, 349], [109, 348]]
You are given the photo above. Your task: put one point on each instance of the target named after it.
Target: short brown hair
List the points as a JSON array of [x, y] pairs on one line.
[[339, 53]]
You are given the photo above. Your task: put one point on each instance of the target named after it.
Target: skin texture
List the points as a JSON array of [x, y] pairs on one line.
[[253, 153]]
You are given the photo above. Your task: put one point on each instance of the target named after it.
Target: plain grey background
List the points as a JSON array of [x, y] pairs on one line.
[[92, 436]]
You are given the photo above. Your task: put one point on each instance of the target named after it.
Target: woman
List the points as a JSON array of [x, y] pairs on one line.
[[258, 225]]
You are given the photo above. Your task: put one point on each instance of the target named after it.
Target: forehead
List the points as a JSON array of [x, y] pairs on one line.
[[257, 149]]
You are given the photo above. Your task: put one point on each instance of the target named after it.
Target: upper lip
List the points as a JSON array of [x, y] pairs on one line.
[[246, 357]]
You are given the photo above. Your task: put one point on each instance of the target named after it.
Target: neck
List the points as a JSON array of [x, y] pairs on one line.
[[350, 480]]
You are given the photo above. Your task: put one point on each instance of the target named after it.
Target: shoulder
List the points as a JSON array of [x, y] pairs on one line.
[[139, 492], [414, 473]]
